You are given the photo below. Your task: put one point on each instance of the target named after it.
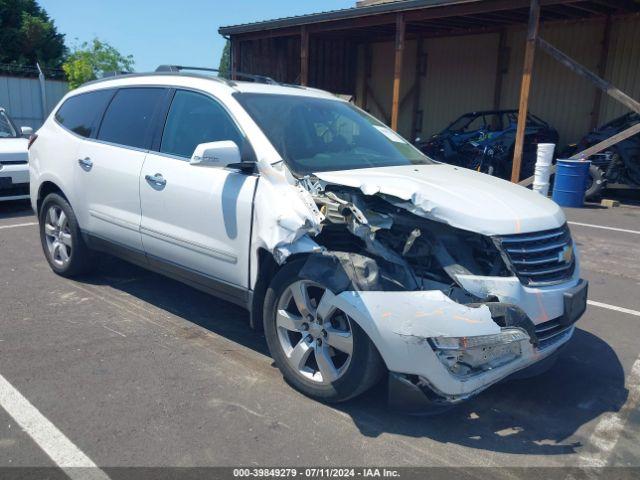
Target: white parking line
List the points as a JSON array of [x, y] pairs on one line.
[[2, 227], [611, 425], [613, 307], [615, 229], [608, 430], [51, 440]]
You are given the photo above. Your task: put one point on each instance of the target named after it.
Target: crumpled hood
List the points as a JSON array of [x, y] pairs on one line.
[[457, 196], [13, 148]]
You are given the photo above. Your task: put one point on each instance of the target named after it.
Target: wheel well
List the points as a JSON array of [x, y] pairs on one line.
[[267, 269], [45, 189]]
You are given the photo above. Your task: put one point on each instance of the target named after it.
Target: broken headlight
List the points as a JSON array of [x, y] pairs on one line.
[[468, 356]]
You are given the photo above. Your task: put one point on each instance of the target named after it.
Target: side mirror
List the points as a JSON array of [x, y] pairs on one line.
[[26, 131], [216, 154]]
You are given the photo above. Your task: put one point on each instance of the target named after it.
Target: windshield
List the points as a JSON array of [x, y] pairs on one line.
[[6, 127], [316, 134], [462, 123]]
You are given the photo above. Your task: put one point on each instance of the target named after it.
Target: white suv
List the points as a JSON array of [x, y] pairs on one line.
[[14, 168], [358, 255]]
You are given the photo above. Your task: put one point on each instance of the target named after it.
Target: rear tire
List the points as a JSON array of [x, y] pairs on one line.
[[62, 242], [320, 351]]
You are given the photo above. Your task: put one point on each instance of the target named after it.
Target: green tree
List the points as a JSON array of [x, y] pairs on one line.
[[28, 35], [93, 60], [225, 61]]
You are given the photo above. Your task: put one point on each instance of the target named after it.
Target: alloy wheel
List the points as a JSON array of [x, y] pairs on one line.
[[315, 336], [58, 236]]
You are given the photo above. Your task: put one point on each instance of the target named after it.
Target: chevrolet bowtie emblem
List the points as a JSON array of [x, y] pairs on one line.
[[566, 255]]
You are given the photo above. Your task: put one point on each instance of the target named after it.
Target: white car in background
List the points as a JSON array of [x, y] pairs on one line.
[[14, 160], [357, 254]]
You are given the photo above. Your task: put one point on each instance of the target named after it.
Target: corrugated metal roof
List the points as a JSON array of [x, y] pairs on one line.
[[342, 14]]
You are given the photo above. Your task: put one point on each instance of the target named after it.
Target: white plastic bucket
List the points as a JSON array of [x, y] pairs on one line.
[[545, 153], [543, 168]]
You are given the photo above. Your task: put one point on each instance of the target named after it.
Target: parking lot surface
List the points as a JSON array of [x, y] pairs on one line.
[[135, 369]]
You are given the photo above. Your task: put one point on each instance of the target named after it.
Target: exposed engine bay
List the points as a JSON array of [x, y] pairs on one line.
[[386, 247]]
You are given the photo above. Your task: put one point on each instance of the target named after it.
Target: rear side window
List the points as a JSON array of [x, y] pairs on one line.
[[128, 119], [81, 113], [194, 119]]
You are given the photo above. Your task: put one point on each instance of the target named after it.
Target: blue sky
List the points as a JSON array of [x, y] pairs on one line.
[[181, 32]]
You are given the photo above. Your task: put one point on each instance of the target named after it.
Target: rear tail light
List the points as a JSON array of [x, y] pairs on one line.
[[32, 139]]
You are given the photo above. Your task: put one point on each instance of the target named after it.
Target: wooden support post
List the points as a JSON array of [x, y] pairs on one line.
[[415, 124], [304, 56], [525, 88], [397, 73], [602, 69]]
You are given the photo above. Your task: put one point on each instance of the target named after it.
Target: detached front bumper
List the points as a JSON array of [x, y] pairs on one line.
[[403, 325], [14, 181]]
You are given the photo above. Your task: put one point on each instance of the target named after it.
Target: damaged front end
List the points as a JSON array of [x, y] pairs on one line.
[[445, 307]]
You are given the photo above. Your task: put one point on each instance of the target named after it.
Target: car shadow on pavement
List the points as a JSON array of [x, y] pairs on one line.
[[216, 315], [535, 416], [15, 208], [532, 416]]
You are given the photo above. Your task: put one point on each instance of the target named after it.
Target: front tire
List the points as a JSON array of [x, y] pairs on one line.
[[319, 349], [62, 242]]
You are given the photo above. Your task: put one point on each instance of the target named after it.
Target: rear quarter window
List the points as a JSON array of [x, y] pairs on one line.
[[81, 113], [128, 119]]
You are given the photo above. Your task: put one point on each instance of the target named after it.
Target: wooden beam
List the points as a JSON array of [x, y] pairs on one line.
[[603, 145], [618, 4], [492, 7], [591, 10], [397, 73], [602, 84], [408, 95], [525, 88], [377, 103], [416, 15], [262, 34], [304, 56], [602, 69]]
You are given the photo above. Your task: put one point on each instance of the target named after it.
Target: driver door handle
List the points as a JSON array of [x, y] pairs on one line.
[[85, 163], [156, 179]]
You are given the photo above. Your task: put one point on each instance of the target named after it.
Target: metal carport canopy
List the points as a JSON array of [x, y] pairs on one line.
[[419, 8], [342, 14]]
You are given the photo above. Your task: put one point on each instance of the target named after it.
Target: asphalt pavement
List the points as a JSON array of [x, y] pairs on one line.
[[135, 369]]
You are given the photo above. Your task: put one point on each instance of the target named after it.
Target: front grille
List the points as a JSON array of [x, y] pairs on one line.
[[540, 258], [551, 332], [13, 162], [14, 190]]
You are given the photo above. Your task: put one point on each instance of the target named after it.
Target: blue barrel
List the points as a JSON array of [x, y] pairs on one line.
[[570, 182]]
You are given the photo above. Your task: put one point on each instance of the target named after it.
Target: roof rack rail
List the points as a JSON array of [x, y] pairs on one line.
[[179, 68], [115, 73]]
